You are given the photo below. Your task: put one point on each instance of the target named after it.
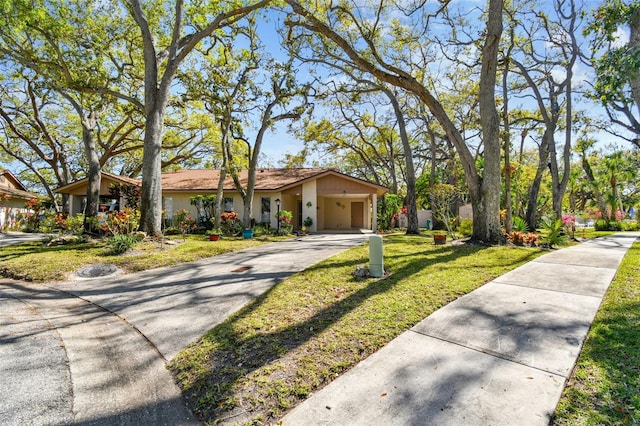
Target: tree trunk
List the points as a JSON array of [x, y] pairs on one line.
[[93, 177], [151, 194], [507, 137], [487, 227], [412, 210], [534, 189], [217, 210]]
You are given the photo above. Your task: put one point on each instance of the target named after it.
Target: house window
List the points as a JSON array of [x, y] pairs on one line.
[[167, 206], [266, 210], [228, 204]]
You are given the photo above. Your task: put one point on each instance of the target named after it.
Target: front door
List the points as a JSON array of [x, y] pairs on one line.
[[357, 214]]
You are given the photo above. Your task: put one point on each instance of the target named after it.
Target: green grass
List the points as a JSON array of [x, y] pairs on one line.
[[37, 262], [317, 324], [605, 386]]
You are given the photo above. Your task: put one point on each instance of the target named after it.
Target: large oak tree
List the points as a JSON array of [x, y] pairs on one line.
[[360, 37]]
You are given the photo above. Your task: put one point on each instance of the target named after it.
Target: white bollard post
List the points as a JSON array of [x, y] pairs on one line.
[[376, 261]]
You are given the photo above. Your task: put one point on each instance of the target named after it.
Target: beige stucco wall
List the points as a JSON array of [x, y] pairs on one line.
[[337, 185], [181, 201], [337, 213], [309, 204]]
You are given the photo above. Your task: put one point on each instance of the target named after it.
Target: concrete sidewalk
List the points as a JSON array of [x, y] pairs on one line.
[[497, 356]]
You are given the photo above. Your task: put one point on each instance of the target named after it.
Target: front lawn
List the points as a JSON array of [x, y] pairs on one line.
[[315, 325]]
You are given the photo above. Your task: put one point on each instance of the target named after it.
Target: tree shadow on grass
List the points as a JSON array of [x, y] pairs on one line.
[[214, 391]]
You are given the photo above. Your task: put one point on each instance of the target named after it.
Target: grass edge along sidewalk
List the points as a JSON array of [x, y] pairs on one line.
[[604, 388], [317, 324]]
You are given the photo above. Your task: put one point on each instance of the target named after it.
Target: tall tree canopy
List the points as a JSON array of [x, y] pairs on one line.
[[617, 63]]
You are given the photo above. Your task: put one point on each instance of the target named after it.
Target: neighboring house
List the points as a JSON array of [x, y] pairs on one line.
[[332, 200], [13, 198]]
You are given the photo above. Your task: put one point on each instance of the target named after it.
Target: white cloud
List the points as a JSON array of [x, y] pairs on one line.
[[620, 38]]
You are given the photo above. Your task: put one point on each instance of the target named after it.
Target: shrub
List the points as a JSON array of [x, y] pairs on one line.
[[519, 224], [553, 232], [615, 225], [75, 224], [172, 230], [629, 226], [523, 238], [230, 224], [120, 243], [608, 225], [466, 227], [123, 222]]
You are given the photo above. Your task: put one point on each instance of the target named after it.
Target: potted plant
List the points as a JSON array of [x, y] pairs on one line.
[[247, 233], [439, 237], [214, 234]]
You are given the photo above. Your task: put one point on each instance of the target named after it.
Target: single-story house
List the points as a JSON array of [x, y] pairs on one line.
[[13, 198], [332, 200]]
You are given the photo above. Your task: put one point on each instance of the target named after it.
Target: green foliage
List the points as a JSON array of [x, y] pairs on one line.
[[75, 224], [629, 226], [131, 194], [388, 207], [617, 65], [52, 222], [121, 243], [285, 219], [184, 222], [466, 227], [519, 224], [553, 232], [608, 225], [214, 231], [48, 222], [125, 221], [205, 205], [230, 224]]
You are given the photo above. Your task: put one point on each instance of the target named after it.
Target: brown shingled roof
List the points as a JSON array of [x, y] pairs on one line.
[[123, 179], [207, 180]]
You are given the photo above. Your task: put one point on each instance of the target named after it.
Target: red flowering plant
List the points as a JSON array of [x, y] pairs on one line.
[[569, 223], [184, 222], [285, 217], [121, 222], [230, 224]]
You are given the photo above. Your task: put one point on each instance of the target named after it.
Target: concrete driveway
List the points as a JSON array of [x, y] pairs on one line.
[[94, 351], [11, 238]]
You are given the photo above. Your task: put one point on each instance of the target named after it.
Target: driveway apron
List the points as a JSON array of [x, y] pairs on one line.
[[72, 362]]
